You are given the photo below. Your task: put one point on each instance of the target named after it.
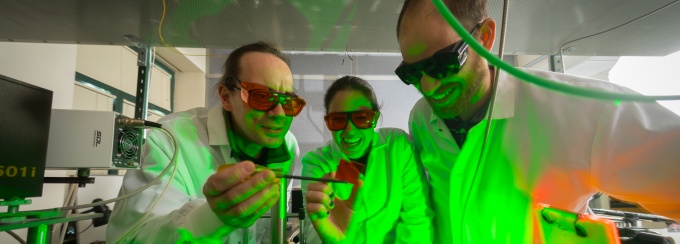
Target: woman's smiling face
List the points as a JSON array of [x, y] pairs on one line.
[[352, 141]]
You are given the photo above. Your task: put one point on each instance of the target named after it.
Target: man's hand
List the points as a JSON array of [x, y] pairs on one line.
[[329, 215], [239, 195]]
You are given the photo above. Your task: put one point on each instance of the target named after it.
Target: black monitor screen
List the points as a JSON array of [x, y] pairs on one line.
[[24, 129]]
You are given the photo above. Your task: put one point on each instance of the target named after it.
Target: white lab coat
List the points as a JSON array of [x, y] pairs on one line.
[[546, 147], [204, 145], [392, 206]]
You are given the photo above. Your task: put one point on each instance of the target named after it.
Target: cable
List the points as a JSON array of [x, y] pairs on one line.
[[86, 228], [614, 28], [17, 237], [292, 236], [542, 82], [173, 162], [137, 123], [160, 31], [70, 201]]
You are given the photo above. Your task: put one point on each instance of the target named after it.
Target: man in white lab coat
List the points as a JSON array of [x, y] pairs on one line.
[[543, 146], [249, 127]]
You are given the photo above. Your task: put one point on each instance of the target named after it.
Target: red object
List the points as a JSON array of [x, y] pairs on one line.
[[349, 171]]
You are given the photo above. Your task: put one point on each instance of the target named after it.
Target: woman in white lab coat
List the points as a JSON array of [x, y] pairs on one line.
[[387, 198]]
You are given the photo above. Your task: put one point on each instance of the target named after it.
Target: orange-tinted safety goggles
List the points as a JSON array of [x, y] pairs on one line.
[[263, 98], [362, 119]]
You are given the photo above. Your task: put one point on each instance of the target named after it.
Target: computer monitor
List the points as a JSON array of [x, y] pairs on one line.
[[24, 129]]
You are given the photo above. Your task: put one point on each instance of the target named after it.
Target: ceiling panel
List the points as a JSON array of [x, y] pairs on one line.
[[535, 26]]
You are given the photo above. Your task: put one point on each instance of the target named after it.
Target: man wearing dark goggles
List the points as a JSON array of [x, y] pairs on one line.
[[249, 127], [542, 146], [455, 84], [450, 87], [442, 64]]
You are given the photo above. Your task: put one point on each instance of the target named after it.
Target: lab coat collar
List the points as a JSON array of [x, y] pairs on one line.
[[218, 135], [377, 143], [217, 127], [504, 105]]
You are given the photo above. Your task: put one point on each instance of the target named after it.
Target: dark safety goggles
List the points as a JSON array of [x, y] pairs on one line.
[[362, 119], [263, 98], [444, 63]]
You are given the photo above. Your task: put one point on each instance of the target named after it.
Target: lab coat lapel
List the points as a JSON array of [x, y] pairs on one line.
[[218, 125], [372, 196], [468, 169], [374, 193], [442, 130], [466, 164]]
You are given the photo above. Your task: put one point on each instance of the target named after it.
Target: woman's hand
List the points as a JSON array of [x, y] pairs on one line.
[[329, 215]]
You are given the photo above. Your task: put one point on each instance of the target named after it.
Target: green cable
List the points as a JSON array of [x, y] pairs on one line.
[[549, 84]]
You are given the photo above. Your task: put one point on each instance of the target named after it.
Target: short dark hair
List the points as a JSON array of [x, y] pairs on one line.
[[468, 12], [232, 66], [351, 83]]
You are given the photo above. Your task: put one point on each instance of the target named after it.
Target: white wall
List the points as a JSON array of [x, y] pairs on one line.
[[185, 59], [650, 76], [189, 90], [51, 66], [195, 55]]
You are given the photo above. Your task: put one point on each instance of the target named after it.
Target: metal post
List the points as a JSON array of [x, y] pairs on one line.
[[556, 63], [279, 217], [144, 63], [38, 235], [535, 61], [301, 217]]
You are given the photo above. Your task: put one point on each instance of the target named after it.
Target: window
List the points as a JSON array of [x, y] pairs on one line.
[[86, 97]]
